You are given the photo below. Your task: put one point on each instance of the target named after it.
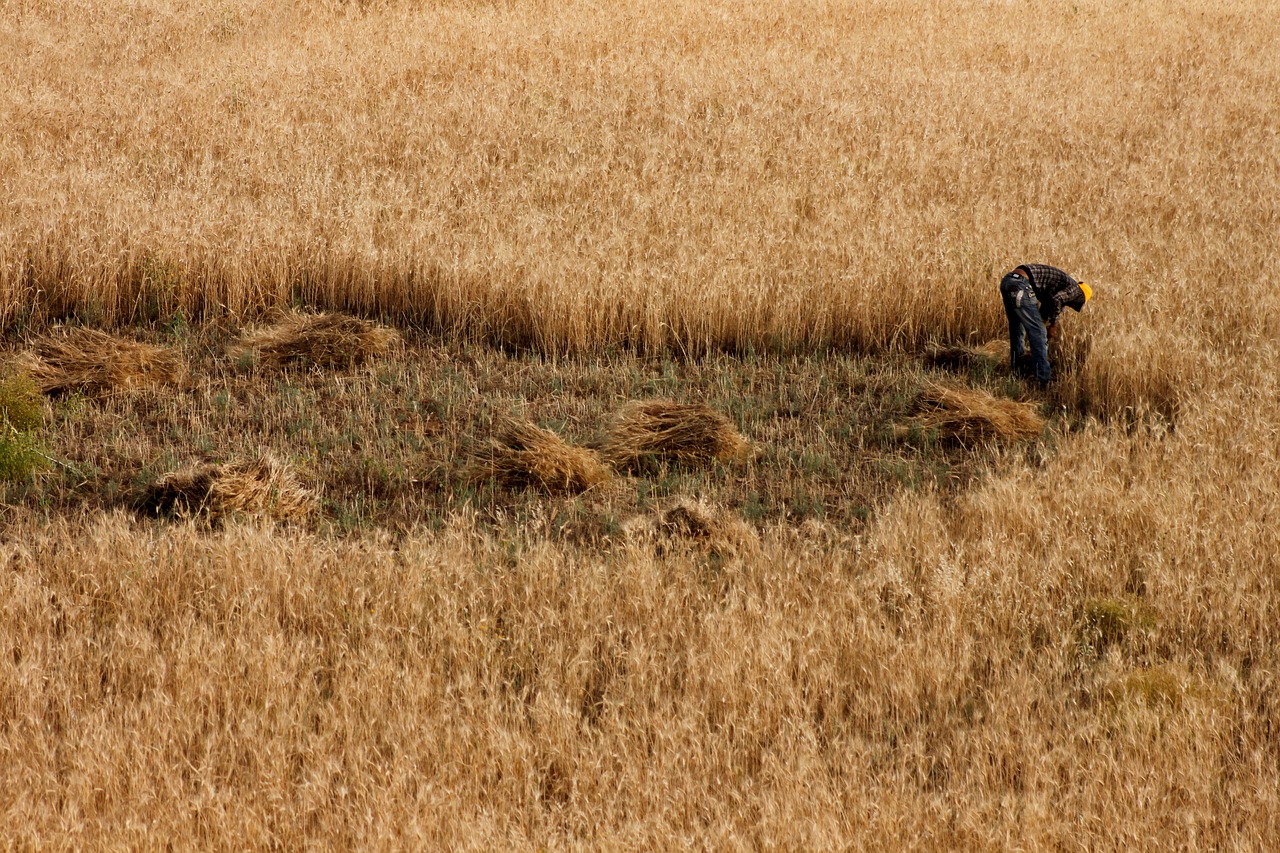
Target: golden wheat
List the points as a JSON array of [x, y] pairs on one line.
[[970, 414]]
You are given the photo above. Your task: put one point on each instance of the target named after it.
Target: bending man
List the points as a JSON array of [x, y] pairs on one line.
[[1034, 295]]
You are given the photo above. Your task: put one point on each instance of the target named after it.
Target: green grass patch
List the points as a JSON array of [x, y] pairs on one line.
[[391, 443]]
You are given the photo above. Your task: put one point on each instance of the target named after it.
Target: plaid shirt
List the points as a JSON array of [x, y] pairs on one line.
[[1054, 289]]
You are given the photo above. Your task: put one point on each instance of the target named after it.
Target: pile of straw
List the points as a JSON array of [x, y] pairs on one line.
[[325, 340], [522, 455], [645, 430], [970, 415], [96, 363], [262, 486], [695, 523], [992, 354]]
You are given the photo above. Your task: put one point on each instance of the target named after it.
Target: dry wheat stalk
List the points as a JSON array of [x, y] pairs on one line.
[[94, 362], [262, 486], [523, 455], [326, 340], [970, 414], [647, 429]]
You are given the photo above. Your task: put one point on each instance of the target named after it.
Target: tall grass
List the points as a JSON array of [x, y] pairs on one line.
[[572, 176]]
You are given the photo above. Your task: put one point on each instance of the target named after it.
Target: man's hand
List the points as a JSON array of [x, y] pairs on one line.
[[1052, 331]]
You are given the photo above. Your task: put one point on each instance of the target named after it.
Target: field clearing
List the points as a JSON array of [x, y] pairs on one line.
[[861, 635]]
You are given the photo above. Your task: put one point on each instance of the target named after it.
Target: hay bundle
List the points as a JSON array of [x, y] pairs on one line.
[[992, 354], [260, 486], [970, 415], [698, 524], [997, 349], [326, 340], [663, 429], [95, 362], [1068, 349], [521, 455]]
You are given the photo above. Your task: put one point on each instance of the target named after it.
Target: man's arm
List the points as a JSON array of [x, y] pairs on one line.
[[1070, 296]]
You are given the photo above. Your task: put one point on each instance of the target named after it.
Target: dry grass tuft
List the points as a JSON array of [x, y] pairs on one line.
[[970, 415], [1156, 687], [522, 455], [647, 429], [97, 363], [261, 486], [327, 340]]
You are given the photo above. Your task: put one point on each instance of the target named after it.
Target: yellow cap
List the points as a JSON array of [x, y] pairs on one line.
[[1088, 291]]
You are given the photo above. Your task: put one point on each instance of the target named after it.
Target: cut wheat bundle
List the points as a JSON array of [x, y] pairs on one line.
[[325, 340], [262, 486], [645, 430], [992, 354], [1068, 350], [694, 523], [970, 415], [96, 363], [523, 455]]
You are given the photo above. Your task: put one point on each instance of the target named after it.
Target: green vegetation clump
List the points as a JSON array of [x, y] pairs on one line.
[[1107, 622], [21, 405], [20, 458], [21, 414], [1153, 687]]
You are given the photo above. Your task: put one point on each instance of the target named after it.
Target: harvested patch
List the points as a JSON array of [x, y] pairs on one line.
[[326, 340], [662, 429], [970, 415], [522, 455], [96, 363], [993, 354], [263, 486]]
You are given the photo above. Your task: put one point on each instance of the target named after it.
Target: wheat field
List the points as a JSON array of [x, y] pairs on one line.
[[1073, 646]]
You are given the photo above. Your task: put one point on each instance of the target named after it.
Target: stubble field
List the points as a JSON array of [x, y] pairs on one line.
[[865, 632]]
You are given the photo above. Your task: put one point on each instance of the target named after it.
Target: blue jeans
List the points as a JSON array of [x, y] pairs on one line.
[[1023, 310]]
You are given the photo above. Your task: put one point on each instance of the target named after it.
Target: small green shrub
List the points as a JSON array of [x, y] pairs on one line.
[[20, 457], [21, 414], [1106, 622], [1155, 686], [21, 404]]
